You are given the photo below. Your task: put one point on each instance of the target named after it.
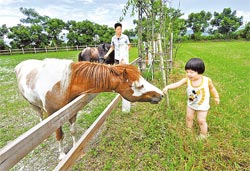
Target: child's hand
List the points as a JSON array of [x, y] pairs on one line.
[[122, 61], [165, 90], [217, 100]]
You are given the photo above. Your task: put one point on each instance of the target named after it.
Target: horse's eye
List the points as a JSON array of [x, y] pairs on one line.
[[140, 87]]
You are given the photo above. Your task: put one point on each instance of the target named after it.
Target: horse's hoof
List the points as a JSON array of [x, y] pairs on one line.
[[61, 156]]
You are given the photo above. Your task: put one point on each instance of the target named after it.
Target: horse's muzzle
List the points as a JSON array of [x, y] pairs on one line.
[[156, 100]]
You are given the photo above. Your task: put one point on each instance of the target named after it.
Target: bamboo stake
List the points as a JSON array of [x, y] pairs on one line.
[[162, 66]]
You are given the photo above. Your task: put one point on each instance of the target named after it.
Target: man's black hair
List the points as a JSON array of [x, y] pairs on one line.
[[117, 25], [195, 64]]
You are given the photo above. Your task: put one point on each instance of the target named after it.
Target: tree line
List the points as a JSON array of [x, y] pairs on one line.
[[224, 25], [42, 31]]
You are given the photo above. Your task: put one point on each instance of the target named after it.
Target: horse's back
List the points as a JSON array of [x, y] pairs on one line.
[[85, 54], [26, 66], [37, 77]]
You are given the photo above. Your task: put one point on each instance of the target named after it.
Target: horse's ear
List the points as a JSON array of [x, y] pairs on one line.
[[125, 74]]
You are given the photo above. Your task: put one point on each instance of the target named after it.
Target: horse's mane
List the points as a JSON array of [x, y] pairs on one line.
[[101, 73]]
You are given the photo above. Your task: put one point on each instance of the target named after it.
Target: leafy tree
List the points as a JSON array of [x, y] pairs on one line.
[[32, 16], [130, 33], [226, 22], [38, 37], [54, 27], [20, 35], [80, 33], [246, 31], [3, 31], [27, 36], [198, 22], [35, 30], [176, 24], [104, 32]]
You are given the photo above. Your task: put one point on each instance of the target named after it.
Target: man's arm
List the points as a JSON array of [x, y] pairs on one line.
[[110, 50]]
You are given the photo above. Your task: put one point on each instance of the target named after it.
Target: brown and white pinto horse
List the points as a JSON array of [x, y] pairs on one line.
[[50, 84]]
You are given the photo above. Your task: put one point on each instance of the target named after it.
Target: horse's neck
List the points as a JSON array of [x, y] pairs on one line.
[[83, 86]]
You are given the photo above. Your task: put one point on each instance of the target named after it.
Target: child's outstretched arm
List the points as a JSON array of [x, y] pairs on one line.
[[174, 85], [214, 92]]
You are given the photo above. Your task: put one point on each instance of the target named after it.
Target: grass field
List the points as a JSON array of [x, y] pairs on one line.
[[154, 137], [151, 137]]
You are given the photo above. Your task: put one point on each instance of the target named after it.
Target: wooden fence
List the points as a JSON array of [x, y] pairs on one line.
[[45, 50], [13, 152], [42, 50]]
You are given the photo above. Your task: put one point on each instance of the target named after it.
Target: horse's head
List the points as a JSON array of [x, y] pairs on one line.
[[103, 49], [106, 46], [133, 87]]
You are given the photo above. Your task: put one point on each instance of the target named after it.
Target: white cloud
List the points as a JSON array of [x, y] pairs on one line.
[[9, 2], [77, 1], [10, 16], [245, 14], [105, 12]]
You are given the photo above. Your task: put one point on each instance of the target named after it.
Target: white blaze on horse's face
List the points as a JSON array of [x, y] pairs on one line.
[[142, 87]]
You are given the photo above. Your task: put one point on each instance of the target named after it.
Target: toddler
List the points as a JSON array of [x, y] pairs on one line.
[[198, 92]]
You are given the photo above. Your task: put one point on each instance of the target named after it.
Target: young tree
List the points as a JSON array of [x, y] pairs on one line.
[[226, 22]]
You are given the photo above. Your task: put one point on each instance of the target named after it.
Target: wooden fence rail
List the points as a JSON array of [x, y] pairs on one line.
[[19, 148], [78, 149], [43, 50]]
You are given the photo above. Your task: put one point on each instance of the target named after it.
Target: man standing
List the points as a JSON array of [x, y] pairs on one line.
[[120, 43]]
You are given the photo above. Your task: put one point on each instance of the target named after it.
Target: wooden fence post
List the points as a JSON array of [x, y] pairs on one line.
[[161, 60]]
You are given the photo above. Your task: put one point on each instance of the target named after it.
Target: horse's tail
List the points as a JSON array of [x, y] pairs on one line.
[[80, 57]]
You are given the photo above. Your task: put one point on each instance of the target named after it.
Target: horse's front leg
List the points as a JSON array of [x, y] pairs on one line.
[[59, 138], [73, 130]]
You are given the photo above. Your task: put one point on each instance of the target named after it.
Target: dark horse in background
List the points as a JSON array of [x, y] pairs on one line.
[[96, 54]]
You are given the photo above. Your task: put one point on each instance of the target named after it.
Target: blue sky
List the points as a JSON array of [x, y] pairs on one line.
[[107, 11]]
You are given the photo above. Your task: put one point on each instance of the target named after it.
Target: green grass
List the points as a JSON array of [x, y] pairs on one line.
[[154, 137]]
